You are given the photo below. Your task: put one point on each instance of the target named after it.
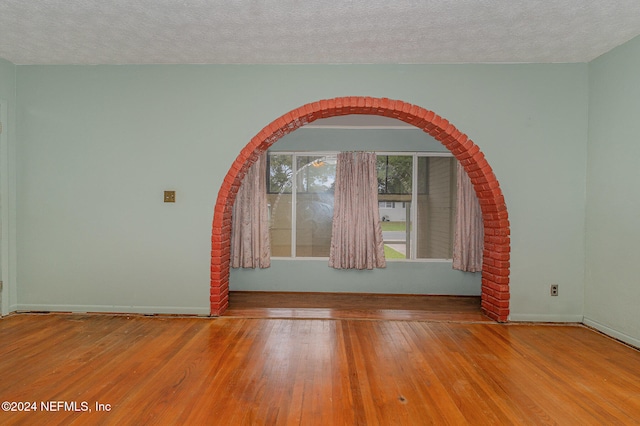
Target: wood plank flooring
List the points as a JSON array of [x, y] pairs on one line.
[[354, 306], [243, 371]]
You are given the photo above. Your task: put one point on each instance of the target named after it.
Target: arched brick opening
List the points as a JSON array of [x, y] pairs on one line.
[[495, 268]]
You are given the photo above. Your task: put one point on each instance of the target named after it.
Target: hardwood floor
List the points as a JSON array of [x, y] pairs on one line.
[[354, 306], [243, 371]]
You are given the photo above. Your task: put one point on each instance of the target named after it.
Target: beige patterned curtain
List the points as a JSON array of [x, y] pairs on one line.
[[250, 242], [468, 241], [356, 238]]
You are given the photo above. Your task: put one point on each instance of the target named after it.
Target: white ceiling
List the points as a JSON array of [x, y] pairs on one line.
[[308, 31]]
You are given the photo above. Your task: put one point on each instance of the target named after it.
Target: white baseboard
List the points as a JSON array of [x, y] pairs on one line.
[[148, 310], [546, 318], [613, 333], [12, 309]]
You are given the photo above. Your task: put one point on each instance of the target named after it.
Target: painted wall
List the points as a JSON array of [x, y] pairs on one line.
[[397, 277], [99, 144], [8, 295], [358, 139], [612, 282]]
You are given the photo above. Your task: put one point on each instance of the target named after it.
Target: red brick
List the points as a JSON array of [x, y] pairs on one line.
[[503, 296], [502, 248], [500, 303], [223, 307], [429, 117], [491, 315], [450, 143], [218, 308], [503, 313], [489, 282], [496, 232], [499, 215], [499, 272], [503, 264], [220, 295]]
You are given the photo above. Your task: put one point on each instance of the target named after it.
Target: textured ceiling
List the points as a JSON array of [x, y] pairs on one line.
[[306, 31]]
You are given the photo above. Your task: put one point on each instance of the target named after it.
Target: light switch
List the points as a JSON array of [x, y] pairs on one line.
[[169, 196]]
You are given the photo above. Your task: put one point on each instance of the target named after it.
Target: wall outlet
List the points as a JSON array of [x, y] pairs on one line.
[[554, 289]]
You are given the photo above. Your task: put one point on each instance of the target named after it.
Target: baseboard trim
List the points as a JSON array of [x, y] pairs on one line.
[[546, 318], [612, 333], [147, 310]]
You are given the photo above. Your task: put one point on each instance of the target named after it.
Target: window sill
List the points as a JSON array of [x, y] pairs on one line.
[[326, 259]]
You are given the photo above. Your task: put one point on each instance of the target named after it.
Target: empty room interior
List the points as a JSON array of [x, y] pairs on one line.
[[261, 212]]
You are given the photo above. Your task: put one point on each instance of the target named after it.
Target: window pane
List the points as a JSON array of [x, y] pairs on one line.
[[314, 205], [394, 202], [436, 207], [280, 173], [394, 174], [279, 199]]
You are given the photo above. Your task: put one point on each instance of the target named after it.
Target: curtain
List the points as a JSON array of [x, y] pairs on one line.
[[250, 241], [468, 241], [356, 237]]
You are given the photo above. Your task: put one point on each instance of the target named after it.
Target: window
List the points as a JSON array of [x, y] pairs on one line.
[[300, 200], [416, 200], [395, 182], [435, 207]]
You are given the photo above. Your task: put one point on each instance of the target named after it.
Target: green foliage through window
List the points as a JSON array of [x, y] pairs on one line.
[[394, 174]]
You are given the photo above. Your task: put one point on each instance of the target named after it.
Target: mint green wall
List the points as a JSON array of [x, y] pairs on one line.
[[8, 296], [358, 139], [397, 277], [612, 283], [99, 144]]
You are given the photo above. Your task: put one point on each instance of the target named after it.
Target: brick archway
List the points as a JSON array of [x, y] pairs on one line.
[[495, 268]]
